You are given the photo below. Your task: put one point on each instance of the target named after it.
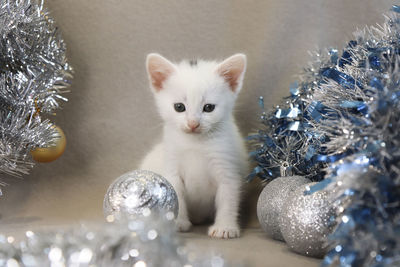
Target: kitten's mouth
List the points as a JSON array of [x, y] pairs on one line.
[[190, 131]]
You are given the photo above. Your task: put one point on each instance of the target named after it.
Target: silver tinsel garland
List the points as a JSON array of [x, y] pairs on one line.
[[33, 76], [144, 241]]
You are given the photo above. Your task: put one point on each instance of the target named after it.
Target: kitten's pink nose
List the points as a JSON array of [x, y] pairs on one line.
[[193, 125]]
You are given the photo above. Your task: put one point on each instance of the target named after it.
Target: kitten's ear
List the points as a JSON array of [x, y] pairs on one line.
[[158, 69], [232, 70]]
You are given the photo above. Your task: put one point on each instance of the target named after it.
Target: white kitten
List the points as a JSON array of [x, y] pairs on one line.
[[202, 153]]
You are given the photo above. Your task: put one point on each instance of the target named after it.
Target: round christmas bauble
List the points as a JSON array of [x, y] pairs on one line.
[[48, 154], [271, 201], [307, 220], [138, 190]]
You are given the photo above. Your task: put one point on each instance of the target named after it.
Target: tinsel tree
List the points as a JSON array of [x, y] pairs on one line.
[[33, 76], [346, 110]]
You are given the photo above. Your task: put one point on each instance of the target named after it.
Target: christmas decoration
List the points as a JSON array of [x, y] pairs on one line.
[[135, 191], [146, 241], [361, 124], [48, 154], [306, 221], [271, 201], [33, 76], [344, 116], [368, 218], [285, 145]]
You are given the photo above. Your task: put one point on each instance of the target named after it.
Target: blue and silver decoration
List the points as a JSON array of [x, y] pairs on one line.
[[347, 136]]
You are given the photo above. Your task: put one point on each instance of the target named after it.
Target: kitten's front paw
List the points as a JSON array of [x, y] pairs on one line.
[[183, 225], [218, 231]]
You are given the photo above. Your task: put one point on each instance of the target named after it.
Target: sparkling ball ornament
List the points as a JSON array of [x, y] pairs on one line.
[[306, 221], [48, 154], [271, 201], [138, 190]]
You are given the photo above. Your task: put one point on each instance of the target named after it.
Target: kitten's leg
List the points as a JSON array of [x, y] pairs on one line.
[[182, 221], [227, 202]]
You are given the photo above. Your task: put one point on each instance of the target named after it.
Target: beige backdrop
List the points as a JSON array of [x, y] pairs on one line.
[[110, 120]]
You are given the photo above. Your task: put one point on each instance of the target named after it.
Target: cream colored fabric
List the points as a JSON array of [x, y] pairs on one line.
[[110, 120]]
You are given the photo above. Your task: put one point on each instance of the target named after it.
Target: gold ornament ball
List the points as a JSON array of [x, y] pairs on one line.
[[49, 154]]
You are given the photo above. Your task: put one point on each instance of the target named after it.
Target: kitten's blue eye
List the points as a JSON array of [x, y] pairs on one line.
[[208, 107], [179, 107]]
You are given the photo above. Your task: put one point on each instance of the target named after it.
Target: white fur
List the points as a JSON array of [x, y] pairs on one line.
[[206, 167]]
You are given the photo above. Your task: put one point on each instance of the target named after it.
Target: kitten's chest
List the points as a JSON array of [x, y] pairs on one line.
[[196, 174], [200, 186], [194, 168]]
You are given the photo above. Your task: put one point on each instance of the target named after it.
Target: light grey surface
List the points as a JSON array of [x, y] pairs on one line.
[[111, 122], [252, 249]]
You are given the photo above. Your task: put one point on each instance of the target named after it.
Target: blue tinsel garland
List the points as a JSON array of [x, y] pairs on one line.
[[287, 145], [342, 123]]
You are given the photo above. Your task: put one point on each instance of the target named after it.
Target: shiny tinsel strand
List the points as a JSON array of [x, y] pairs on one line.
[[33, 76], [286, 145], [149, 240], [363, 147]]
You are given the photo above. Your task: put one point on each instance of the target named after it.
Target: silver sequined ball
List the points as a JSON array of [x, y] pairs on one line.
[[138, 190], [307, 220], [271, 201]]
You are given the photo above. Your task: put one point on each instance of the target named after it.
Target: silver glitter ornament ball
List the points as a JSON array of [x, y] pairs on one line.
[[271, 201], [138, 190], [307, 220]]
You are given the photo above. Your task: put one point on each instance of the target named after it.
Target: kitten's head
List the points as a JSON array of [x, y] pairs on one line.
[[196, 96]]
